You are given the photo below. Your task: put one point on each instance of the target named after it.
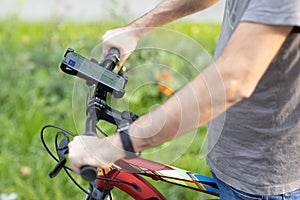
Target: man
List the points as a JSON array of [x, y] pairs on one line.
[[250, 96]]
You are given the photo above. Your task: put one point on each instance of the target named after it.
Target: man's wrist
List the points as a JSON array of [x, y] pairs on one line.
[[115, 140], [139, 29], [127, 143]]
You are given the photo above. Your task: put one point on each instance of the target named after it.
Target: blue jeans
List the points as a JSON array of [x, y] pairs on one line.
[[229, 193]]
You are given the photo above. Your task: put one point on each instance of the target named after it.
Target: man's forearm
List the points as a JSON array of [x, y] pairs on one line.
[[168, 11], [233, 77], [190, 107]]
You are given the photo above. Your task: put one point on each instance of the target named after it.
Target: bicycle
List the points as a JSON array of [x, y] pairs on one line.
[[125, 174]]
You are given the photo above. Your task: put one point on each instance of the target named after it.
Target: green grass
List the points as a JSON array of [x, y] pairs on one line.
[[34, 92]]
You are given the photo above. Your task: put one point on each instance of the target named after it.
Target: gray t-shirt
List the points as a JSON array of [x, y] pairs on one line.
[[255, 145]]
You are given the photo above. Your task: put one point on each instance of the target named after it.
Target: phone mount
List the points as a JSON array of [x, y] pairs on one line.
[[98, 73]]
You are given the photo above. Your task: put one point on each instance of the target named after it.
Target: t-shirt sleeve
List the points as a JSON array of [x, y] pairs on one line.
[[275, 12]]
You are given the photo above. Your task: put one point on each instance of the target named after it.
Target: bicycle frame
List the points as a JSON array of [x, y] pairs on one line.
[[125, 174], [132, 169]]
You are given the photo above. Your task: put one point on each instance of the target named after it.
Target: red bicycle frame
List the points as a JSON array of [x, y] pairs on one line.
[[131, 171]]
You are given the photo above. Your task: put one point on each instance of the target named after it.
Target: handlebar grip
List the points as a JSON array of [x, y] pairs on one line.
[[111, 59], [113, 52], [88, 173]]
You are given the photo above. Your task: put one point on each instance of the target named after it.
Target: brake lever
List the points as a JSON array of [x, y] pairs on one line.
[[57, 168], [62, 150]]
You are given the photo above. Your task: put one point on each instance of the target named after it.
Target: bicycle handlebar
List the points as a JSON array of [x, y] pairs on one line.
[[89, 173], [111, 59]]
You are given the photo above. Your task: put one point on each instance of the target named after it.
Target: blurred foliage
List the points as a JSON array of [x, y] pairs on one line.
[[34, 92]]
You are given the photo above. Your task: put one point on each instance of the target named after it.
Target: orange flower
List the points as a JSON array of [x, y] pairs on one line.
[[166, 90]]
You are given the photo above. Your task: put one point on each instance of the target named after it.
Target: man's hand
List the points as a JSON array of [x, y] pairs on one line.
[[124, 39], [94, 151]]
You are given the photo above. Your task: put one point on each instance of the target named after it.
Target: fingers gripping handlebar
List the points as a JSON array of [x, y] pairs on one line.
[[89, 173]]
